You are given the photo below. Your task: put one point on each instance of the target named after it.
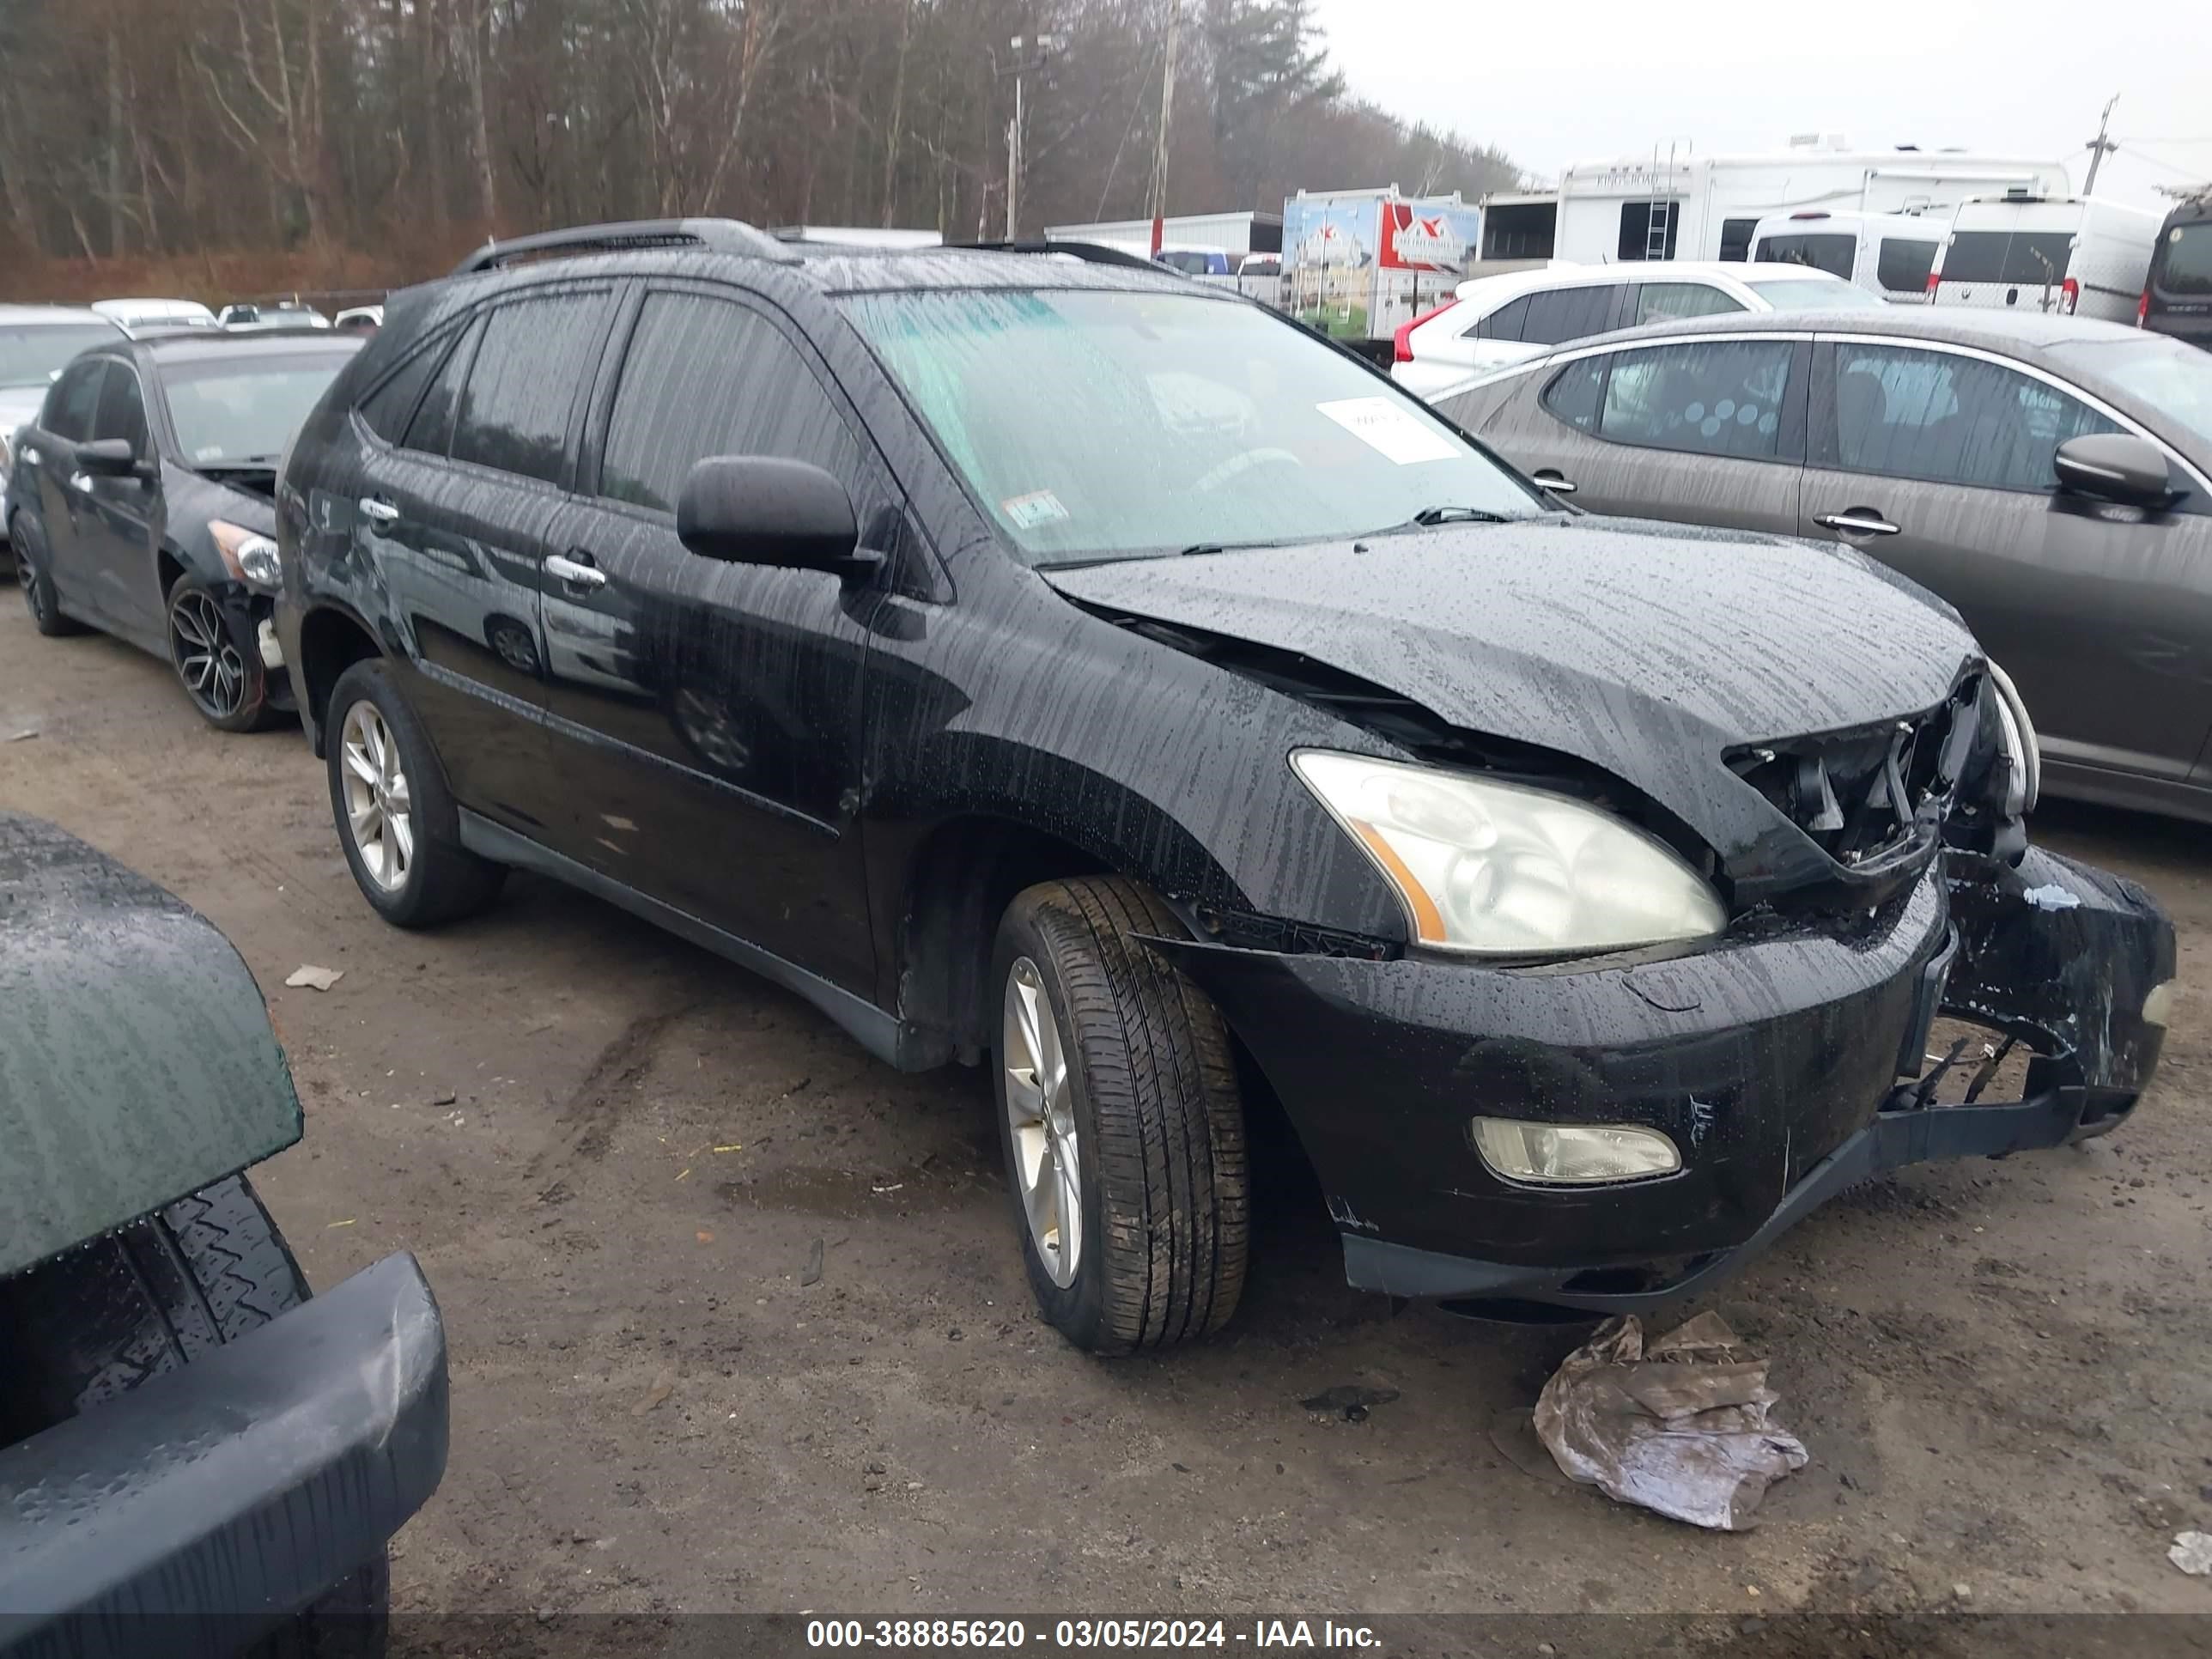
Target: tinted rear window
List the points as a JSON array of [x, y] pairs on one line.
[[1830, 251], [2185, 261], [2032, 257], [1904, 264]]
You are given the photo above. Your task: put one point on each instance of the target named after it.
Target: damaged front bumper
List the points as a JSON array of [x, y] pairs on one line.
[[1773, 1065]]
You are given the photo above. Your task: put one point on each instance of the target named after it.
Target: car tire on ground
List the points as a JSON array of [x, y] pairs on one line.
[[228, 686], [30, 551], [395, 818], [1145, 1245], [93, 1324]]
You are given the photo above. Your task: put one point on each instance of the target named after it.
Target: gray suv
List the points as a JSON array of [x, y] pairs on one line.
[[2050, 477]]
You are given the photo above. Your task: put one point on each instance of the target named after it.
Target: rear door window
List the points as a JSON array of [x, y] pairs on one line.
[[537, 354], [1574, 393], [1831, 250], [1946, 419], [1658, 302], [1736, 238], [386, 409], [2183, 265], [2030, 257], [75, 396], [1902, 264], [1569, 314], [1503, 323], [1713, 397], [706, 376]]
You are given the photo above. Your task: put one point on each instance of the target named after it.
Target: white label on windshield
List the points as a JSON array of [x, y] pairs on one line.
[[1383, 424], [1028, 511]]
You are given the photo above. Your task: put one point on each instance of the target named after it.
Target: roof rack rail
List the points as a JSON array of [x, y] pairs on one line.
[[1097, 253], [714, 236]]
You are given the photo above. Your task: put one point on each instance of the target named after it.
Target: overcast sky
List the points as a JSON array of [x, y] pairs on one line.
[[1576, 79]]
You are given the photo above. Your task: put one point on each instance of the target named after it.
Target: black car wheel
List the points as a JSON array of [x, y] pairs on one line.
[[226, 684], [38, 586], [93, 1324], [395, 820], [1120, 1119]]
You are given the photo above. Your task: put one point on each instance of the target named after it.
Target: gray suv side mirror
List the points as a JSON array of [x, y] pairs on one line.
[[2115, 467], [763, 509]]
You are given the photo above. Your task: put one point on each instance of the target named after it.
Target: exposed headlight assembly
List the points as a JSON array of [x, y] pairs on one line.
[[1500, 869], [251, 556]]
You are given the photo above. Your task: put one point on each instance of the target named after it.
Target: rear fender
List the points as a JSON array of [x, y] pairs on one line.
[[136, 1060]]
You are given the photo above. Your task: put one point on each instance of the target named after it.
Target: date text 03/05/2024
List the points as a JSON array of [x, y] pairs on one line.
[[1085, 1633]]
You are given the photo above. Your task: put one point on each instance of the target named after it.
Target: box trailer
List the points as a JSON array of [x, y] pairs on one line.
[[1360, 265], [1678, 205]]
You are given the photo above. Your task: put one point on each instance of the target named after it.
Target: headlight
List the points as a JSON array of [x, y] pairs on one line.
[[2020, 743], [251, 556], [1572, 1154], [1499, 869]]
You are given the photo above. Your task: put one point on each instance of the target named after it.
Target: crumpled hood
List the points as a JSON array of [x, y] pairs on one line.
[[1646, 649]]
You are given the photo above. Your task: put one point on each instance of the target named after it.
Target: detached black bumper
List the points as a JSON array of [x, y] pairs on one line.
[[1772, 1064], [194, 1514]]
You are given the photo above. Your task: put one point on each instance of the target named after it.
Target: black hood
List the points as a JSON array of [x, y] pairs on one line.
[[1649, 650], [245, 498]]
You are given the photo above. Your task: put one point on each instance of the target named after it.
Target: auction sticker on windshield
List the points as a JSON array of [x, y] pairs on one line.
[[1039, 507], [1383, 424]]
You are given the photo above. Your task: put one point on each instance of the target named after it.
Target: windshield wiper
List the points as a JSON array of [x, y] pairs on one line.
[[1430, 516]]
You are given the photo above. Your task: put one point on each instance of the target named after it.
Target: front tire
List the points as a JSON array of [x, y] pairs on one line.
[[397, 821], [1120, 1120], [92, 1325], [228, 686], [38, 584]]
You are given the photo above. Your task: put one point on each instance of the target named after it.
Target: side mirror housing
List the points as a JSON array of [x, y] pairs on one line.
[[2115, 467], [763, 509], [108, 457]]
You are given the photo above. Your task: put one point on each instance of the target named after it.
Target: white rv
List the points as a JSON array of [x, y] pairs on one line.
[[1680, 205], [2077, 256], [1884, 254]]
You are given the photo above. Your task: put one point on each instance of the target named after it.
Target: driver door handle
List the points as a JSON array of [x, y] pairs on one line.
[[1550, 479], [574, 575], [81, 483], [1858, 521], [382, 514]]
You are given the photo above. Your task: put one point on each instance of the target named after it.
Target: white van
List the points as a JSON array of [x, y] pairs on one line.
[[2063, 255], [1884, 254]]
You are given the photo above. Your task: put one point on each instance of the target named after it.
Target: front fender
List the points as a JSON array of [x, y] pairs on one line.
[[2070, 959], [136, 1060]]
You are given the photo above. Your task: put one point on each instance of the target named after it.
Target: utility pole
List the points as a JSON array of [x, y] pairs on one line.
[[2100, 146], [1167, 110], [1029, 51]]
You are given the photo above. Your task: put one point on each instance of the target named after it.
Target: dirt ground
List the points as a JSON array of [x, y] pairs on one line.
[[616, 1158]]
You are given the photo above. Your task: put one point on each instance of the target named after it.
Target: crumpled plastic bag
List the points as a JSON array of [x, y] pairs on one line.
[[1681, 1426]]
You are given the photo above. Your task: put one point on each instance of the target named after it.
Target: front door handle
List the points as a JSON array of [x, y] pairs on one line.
[[382, 514], [1858, 521], [1549, 479], [81, 483], [574, 574]]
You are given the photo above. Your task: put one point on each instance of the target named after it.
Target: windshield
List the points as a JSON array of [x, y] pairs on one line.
[[1834, 251], [233, 412], [1096, 425], [2185, 264], [1811, 294], [32, 353], [2174, 379]]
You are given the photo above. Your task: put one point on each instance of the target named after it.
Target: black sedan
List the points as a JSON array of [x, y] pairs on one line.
[[142, 503]]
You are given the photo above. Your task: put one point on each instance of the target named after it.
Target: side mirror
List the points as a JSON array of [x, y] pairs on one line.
[[2115, 467], [761, 509], [108, 457]]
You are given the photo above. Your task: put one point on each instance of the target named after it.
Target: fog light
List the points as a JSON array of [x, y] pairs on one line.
[[2159, 1004], [1572, 1152]]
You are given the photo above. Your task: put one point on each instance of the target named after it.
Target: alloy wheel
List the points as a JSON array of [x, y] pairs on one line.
[[379, 808], [207, 661], [1041, 1122]]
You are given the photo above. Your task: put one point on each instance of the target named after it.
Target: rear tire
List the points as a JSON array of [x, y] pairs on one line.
[[1158, 1221], [32, 576], [400, 829], [91, 1326]]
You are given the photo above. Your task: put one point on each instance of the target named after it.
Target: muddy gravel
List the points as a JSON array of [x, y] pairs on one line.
[[738, 1321]]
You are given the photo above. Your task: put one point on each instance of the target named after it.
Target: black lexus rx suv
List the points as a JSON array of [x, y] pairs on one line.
[[1035, 661]]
